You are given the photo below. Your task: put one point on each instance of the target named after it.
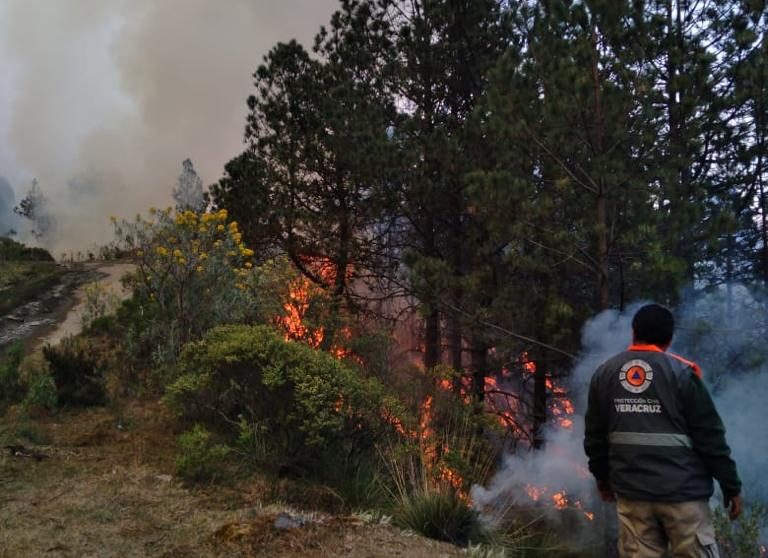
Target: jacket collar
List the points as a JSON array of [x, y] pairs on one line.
[[656, 349]]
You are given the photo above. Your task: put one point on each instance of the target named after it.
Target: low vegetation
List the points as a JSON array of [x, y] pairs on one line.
[[12, 251], [23, 281]]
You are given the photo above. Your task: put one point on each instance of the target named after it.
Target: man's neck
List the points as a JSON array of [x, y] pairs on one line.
[[639, 345]]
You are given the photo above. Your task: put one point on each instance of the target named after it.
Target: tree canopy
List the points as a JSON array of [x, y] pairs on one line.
[[510, 168]]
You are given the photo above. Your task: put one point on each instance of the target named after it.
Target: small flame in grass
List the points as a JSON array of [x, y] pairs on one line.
[[560, 500], [535, 492], [561, 406], [432, 450]]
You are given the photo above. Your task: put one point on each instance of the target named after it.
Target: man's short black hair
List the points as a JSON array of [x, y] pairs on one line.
[[653, 324]]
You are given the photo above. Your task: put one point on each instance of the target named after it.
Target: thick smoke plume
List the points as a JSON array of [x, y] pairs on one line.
[[724, 332], [102, 100]]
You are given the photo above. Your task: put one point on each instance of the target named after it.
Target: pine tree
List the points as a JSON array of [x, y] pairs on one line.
[[319, 151], [36, 208], [188, 192], [445, 50]]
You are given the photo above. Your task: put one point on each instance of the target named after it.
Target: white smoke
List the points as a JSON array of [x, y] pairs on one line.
[[117, 93], [9, 221], [733, 325]]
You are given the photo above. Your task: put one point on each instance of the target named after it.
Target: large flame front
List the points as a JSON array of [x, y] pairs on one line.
[[500, 399]]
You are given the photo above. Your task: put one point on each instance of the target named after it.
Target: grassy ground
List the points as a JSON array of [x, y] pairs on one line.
[[22, 281], [107, 489]]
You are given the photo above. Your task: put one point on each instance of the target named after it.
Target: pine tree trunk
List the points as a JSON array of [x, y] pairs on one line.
[[455, 342], [339, 286], [479, 353], [539, 405], [432, 339], [603, 292]]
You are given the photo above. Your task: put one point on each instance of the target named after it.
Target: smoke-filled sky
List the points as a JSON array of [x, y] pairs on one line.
[[102, 100]]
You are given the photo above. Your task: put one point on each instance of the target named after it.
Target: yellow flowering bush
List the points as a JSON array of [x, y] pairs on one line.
[[192, 273]]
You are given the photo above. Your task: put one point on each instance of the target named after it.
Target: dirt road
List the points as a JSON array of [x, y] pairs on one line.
[[108, 276], [58, 312]]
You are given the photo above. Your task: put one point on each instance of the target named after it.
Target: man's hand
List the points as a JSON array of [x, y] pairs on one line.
[[733, 505], [606, 494]]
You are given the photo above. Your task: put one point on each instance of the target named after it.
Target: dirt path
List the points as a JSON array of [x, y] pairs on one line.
[[106, 489], [58, 312], [109, 276]]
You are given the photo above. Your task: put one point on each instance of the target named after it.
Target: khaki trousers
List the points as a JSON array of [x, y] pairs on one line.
[[653, 529]]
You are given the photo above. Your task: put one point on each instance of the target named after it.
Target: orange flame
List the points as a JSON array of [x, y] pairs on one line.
[[431, 451], [301, 291], [560, 500], [535, 492]]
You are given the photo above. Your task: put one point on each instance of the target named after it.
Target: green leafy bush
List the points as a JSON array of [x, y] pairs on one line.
[[11, 390], [78, 375], [248, 381], [41, 391], [10, 250], [199, 458]]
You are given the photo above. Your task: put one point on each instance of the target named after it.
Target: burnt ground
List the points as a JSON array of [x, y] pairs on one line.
[[106, 488]]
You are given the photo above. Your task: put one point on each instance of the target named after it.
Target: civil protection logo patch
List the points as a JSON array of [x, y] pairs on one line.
[[636, 376]]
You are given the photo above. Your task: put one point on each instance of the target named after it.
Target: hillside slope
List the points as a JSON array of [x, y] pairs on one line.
[[106, 489]]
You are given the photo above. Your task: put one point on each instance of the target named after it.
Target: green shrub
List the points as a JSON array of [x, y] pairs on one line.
[[10, 250], [103, 325], [740, 539], [439, 513], [309, 403], [193, 272], [199, 458], [78, 375], [41, 391], [11, 390]]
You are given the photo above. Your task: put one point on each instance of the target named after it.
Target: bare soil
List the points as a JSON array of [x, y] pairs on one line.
[[106, 489]]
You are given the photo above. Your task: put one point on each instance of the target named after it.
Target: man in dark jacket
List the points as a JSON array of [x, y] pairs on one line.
[[655, 441]]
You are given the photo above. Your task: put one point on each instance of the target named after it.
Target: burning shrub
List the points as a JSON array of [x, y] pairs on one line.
[[193, 273], [431, 475], [298, 404]]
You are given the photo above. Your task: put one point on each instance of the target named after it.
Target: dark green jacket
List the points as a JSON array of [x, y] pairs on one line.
[[653, 432]]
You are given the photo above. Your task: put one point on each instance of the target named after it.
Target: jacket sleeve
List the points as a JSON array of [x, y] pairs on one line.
[[707, 432], [596, 435]]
